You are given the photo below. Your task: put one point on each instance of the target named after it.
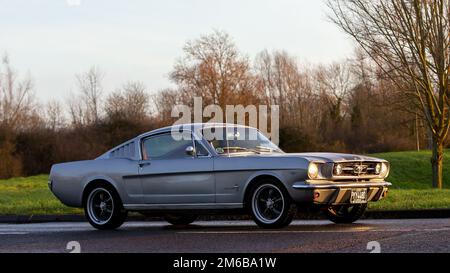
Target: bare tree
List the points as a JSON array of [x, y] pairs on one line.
[[410, 41], [164, 101], [91, 90], [131, 103], [284, 84], [16, 108], [76, 111], [16, 98], [54, 115], [213, 69], [334, 83]]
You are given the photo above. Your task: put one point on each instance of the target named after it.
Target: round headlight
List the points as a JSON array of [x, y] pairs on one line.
[[384, 170], [313, 171], [338, 169], [378, 168]]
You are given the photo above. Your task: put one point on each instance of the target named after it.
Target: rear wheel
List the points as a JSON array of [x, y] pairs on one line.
[[345, 214], [270, 205], [180, 219], [103, 208]]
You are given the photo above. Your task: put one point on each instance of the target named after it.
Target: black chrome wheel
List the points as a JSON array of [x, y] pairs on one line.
[[271, 206], [100, 206], [268, 203], [103, 208]]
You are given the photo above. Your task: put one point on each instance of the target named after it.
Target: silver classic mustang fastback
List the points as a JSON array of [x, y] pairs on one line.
[[184, 171]]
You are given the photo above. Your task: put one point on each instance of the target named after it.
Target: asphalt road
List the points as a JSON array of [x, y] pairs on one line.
[[430, 235]]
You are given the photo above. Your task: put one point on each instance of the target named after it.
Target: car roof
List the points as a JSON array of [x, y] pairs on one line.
[[191, 126]]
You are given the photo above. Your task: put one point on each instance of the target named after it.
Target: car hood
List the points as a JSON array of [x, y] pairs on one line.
[[325, 157], [336, 157]]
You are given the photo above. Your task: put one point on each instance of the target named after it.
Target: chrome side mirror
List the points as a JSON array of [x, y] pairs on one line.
[[190, 151]]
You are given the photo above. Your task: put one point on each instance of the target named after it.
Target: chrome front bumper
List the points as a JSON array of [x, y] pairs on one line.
[[337, 185], [335, 193]]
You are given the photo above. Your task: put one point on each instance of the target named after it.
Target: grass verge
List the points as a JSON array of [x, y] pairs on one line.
[[414, 199], [30, 196]]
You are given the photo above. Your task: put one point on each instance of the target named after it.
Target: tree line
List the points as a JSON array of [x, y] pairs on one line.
[[345, 106]]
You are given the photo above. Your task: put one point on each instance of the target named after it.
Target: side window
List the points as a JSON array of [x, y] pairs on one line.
[[200, 149], [164, 147]]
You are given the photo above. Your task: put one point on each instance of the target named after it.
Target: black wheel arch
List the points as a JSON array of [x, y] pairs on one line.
[[96, 183], [259, 179]]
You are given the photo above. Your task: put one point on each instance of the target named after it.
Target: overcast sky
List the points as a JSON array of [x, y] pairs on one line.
[[140, 40]]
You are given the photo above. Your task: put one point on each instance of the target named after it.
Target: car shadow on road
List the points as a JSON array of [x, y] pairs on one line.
[[236, 227]]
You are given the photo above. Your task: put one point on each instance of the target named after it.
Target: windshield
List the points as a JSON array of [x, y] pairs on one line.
[[233, 140]]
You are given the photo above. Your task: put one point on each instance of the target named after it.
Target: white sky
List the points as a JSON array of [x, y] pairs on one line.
[[140, 39]]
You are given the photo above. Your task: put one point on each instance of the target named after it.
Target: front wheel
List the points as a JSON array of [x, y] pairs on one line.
[[345, 214], [270, 205], [103, 208]]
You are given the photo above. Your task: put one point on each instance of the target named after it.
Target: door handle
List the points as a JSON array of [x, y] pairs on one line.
[[144, 164]]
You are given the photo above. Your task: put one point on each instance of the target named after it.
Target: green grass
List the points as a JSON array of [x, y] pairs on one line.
[[411, 179], [30, 196], [410, 175], [413, 199], [412, 170]]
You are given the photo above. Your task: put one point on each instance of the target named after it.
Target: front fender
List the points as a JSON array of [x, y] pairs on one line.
[[286, 177]]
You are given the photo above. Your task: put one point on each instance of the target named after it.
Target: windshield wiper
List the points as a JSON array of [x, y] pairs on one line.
[[268, 149], [243, 149]]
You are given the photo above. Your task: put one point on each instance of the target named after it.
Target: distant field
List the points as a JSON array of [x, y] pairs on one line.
[[411, 176]]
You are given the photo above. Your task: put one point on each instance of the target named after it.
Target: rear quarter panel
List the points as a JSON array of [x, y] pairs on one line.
[[70, 179]]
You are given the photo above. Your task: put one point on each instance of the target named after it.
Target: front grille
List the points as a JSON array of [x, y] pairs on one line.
[[357, 168]]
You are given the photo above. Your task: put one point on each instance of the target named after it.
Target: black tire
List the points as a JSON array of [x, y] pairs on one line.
[[180, 219], [345, 214], [270, 205], [103, 207]]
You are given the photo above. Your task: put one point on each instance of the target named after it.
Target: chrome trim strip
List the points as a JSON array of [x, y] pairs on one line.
[[204, 172], [184, 206], [341, 185]]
